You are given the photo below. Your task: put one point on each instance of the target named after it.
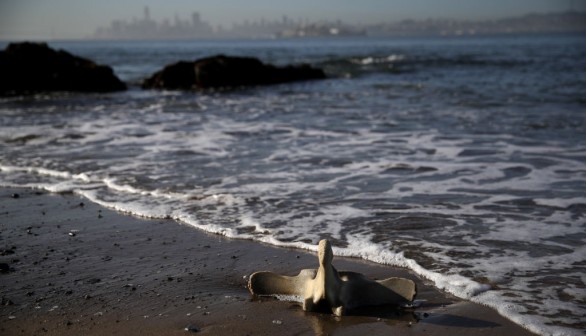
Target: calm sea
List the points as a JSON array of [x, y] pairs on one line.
[[463, 159]]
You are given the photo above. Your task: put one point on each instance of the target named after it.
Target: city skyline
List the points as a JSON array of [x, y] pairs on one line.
[[196, 27], [68, 19]]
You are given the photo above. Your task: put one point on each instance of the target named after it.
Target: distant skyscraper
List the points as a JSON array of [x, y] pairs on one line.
[[147, 13], [195, 18]]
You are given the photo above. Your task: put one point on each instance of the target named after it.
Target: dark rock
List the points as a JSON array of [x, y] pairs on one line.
[[227, 72], [93, 281], [35, 67], [14, 195], [6, 252], [6, 302], [4, 268], [192, 328]]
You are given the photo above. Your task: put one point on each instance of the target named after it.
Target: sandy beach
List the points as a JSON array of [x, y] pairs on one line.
[[70, 267]]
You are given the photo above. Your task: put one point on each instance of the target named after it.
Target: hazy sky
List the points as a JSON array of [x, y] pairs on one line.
[[45, 19]]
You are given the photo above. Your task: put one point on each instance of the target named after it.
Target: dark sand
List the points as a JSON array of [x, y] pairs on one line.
[[75, 268]]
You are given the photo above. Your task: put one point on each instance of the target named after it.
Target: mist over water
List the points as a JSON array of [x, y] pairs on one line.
[[462, 159]]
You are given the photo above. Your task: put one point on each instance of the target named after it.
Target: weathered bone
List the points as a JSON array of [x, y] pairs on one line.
[[326, 287]]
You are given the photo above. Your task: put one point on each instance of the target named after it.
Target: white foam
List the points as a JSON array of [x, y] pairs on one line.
[[289, 298], [378, 60], [517, 314], [560, 202]]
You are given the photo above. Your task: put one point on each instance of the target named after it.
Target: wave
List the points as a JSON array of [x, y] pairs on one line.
[[409, 63]]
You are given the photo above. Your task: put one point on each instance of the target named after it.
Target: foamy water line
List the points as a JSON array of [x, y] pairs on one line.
[[358, 247]]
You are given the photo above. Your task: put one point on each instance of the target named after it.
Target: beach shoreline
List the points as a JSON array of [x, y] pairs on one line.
[[73, 267]]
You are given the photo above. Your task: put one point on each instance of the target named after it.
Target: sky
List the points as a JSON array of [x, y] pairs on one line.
[[73, 19]]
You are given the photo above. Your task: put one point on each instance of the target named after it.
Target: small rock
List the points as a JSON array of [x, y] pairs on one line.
[[192, 328], [4, 268], [11, 317], [6, 252], [6, 302], [278, 322], [15, 195]]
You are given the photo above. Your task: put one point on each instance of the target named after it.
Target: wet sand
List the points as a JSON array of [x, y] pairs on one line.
[[71, 267]]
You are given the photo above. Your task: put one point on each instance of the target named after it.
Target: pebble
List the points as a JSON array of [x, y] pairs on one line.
[[278, 322], [7, 252], [131, 286], [7, 302], [93, 281], [192, 328]]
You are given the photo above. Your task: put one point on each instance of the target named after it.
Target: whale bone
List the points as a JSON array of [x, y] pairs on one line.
[[327, 288]]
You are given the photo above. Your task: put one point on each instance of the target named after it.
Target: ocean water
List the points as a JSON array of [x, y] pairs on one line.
[[463, 159]]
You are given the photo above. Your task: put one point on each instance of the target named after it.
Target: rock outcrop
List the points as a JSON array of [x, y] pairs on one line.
[[35, 67], [227, 72]]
